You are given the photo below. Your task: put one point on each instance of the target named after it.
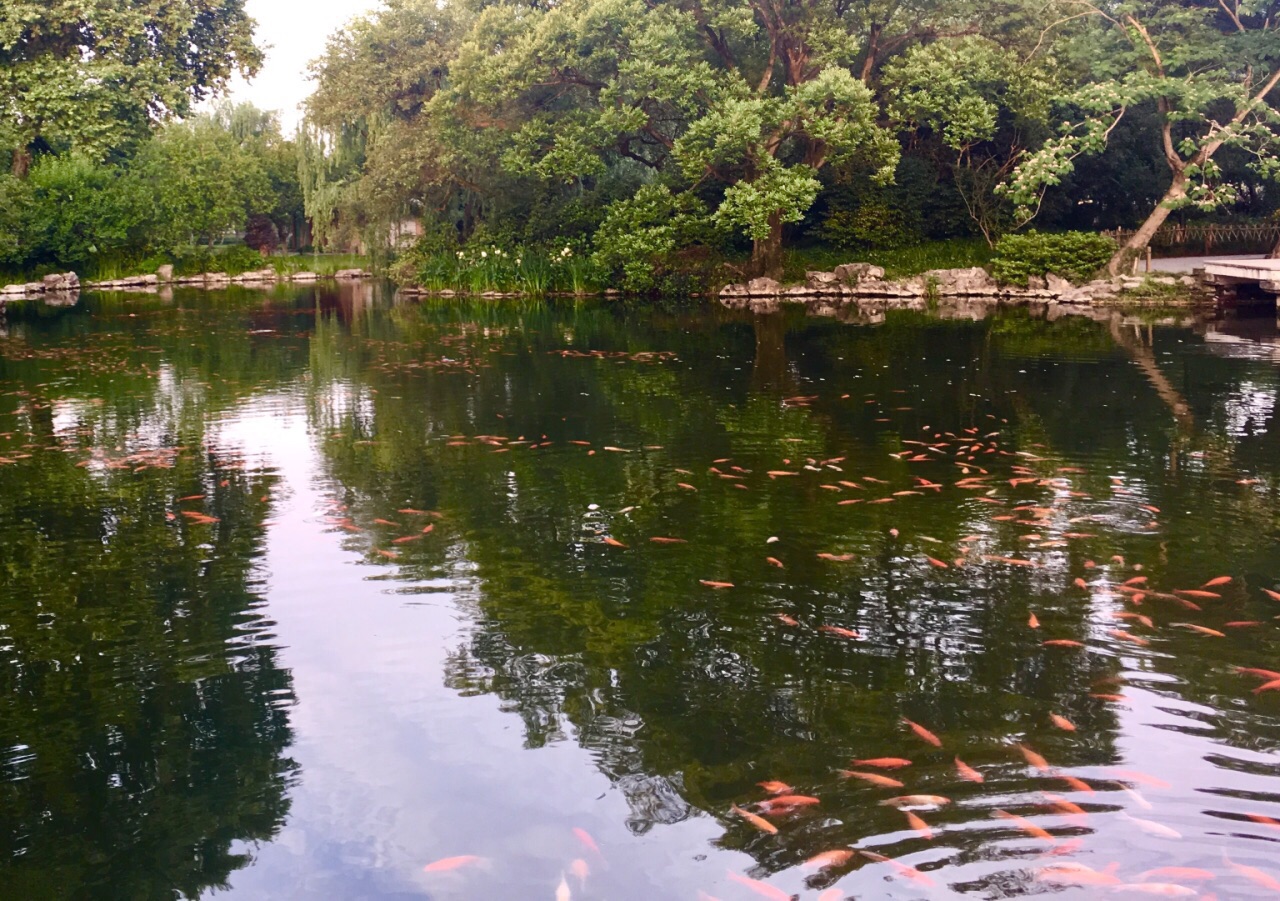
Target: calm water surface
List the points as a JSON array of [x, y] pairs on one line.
[[302, 593]]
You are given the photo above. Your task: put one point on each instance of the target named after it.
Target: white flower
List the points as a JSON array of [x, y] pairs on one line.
[[460, 254], [484, 254]]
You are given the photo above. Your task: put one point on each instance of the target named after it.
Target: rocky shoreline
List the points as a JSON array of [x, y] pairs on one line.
[[68, 284], [860, 283]]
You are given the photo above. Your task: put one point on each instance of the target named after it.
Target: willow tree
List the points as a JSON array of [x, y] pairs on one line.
[[1210, 69], [95, 76]]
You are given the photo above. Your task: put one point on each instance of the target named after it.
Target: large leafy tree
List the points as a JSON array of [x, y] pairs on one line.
[[95, 75], [1209, 68]]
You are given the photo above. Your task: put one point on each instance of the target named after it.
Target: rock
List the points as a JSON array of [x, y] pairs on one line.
[[305, 277], [973, 282], [763, 287], [853, 273], [165, 273], [1058, 285], [1036, 283], [350, 274], [13, 290], [66, 282], [34, 288], [822, 280], [217, 278]]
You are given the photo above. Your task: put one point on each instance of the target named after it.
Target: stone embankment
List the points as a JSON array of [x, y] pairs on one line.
[[69, 284], [861, 282]]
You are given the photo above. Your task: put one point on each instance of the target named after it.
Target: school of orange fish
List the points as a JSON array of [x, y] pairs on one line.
[[975, 454]]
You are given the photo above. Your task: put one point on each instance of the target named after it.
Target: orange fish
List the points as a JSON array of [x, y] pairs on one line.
[[1259, 673], [1062, 805], [1143, 778], [580, 869], [836, 858], [918, 825], [787, 620], [1035, 759], [836, 558], [1265, 821], [758, 821], [1136, 580], [1190, 874], [774, 561], [884, 763], [873, 778], [763, 889], [1062, 643], [451, 863], [1062, 723], [775, 788], [661, 540], [1204, 595], [584, 836], [407, 539], [901, 868], [968, 773], [613, 542], [1214, 583], [716, 585], [1033, 622], [934, 562], [1253, 874], [837, 630], [1273, 685], [1025, 825], [1077, 874], [923, 733], [784, 803], [1203, 630], [1274, 595], [1159, 889], [1127, 636], [917, 801], [1081, 583]]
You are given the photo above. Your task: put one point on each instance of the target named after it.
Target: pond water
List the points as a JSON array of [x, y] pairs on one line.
[[316, 594]]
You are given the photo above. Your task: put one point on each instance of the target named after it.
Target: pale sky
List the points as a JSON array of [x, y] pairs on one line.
[[294, 33]]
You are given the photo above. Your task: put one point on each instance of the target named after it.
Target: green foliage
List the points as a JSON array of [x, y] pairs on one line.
[[1076, 256], [874, 225], [957, 253], [640, 236], [95, 77], [80, 210], [481, 267]]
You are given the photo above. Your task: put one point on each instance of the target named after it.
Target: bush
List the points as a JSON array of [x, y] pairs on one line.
[[1075, 256], [873, 226]]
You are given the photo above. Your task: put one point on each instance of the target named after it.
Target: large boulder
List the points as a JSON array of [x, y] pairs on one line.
[[1058, 285], [13, 290], [853, 273], [822, 281], [763, 287], [63, 283], [973, 282], [165, 273], [305, 277]]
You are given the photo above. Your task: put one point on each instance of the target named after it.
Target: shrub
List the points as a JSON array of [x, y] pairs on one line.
[[1076, 256], [874, 226]]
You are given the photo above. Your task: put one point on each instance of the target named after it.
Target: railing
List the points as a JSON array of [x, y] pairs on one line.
[[1207, 239]]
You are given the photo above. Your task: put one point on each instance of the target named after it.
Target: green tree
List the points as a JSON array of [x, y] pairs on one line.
[[96, 76], [982, 104], [80, 210], [205, 183], [1210, 69]]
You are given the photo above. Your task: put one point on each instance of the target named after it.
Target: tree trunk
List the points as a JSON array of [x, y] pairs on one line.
[[21, 162], [766, 253], [873, 51], [1127, 256]]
